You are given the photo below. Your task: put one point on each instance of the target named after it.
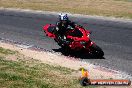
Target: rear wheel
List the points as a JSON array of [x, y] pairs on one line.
[[96, 51], [66, 50]]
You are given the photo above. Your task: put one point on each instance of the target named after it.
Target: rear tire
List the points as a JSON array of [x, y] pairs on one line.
[[96, 51], [66, 50]]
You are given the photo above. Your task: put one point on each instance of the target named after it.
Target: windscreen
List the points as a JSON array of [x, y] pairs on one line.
[[76, 33]]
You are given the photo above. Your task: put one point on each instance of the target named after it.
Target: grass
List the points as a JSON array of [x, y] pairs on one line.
[[27, 72], [124, 0], [6, 51], [116, 8], [16, 75]]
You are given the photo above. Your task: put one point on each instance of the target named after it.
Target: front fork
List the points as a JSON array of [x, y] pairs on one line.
[[89, 44]]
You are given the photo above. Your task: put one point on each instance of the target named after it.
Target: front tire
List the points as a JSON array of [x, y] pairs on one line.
[[96, 51]]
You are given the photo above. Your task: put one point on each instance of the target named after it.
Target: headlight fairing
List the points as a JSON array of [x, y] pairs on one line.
[[88, 35], [82, 42]]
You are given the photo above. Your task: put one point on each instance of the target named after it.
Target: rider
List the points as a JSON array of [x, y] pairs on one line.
[[63, 25]]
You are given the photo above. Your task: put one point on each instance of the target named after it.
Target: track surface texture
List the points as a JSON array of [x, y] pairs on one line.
[[114, 37]]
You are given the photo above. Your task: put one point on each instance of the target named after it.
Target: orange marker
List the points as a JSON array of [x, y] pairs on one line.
[[84, 73]]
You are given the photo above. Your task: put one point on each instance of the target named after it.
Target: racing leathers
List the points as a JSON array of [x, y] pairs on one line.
[[62, 28]]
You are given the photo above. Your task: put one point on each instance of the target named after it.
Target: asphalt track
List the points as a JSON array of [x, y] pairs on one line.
[[114, 37]]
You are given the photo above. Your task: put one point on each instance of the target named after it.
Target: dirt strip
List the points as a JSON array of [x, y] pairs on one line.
[[64, 61]]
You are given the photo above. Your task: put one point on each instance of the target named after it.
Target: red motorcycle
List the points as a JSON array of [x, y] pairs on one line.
[[78, 38]]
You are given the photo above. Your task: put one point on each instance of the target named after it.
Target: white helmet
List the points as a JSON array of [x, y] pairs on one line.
[[63, 17]]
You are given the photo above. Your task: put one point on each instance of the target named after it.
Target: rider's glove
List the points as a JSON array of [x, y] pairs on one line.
[[70, 27], [57, 28]]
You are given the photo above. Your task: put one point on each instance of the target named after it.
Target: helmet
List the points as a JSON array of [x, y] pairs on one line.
[[63, 17]]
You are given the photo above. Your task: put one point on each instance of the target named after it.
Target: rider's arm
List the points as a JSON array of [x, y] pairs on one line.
[[73, 24], [57, 25]]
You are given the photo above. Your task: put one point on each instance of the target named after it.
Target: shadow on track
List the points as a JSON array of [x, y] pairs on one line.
[[77, 54]]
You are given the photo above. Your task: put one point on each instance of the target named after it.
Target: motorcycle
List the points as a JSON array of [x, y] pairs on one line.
[[79, 40]]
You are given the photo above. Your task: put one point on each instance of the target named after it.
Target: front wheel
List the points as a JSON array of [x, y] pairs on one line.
[[96, 51]]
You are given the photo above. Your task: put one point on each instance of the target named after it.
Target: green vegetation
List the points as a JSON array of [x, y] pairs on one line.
[[15, 74], [124, 0], [116, 8], [27, 72], [6, 51]]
